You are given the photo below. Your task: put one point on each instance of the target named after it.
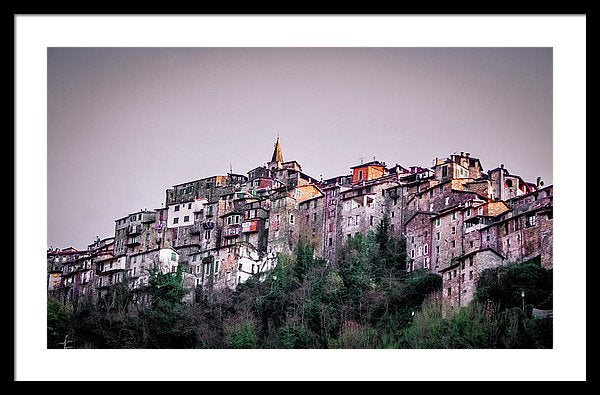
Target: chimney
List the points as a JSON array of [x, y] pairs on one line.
[[462, 153], [502, 165], [538, 181], [467, 154]]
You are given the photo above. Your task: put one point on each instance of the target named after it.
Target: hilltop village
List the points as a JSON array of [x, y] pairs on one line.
[[457, 220]]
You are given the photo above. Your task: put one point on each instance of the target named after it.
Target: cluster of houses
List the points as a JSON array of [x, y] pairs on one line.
[[456, 218]]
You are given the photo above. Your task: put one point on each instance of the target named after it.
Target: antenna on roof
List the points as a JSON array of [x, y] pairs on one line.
[[373, 158], [361, 160]]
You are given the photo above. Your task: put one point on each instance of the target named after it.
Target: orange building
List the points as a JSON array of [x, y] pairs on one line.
[[368, 171], [305, 192]]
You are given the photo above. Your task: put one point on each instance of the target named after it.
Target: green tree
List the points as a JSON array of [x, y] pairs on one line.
[[164, 320], [240, 334], [503, 285], [59, 321]]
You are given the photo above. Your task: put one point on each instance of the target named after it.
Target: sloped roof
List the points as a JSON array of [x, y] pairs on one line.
[[277, 154]]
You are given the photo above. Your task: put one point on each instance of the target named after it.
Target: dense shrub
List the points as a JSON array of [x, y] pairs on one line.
[[367, 300]]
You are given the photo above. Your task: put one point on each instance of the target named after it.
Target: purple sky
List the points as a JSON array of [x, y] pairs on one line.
[[124, 124]]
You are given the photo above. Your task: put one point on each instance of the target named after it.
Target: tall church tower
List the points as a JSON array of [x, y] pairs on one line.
[[277, 158]]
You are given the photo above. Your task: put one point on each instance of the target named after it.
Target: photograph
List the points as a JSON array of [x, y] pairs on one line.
[[289, 197]]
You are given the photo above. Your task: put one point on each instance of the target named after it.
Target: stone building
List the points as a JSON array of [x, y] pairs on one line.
[[457, 220], [57, 260], [460, 278]]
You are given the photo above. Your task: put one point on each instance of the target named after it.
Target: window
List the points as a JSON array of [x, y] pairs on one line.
[[426, 249], [468, 213], [412, 253], [175, 220], [453, 216], [437, 249], [438, 235], [193, 258], [292, 219], [393, 214], [371, 221], [412, 239], [360, 175], [447, 201], [314, 216], [177, 208], [471, 275], [453, 243], [330, 241], [449, 291], [471, 244], [173, 256], [454, 230], [186, 218], [438, 223], [530, 220], [431, 193], [445, 174], [430, 206]]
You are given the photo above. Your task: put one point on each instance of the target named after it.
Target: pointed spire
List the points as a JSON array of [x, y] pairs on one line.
[[277, 155]]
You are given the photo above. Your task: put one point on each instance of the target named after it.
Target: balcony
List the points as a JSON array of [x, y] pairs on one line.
[[132, 242], [135, 230], [209, 213], [232, 231], [148, 217], [250, 226]]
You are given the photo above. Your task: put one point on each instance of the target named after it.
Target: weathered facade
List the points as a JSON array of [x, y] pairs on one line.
[[456, 218]]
